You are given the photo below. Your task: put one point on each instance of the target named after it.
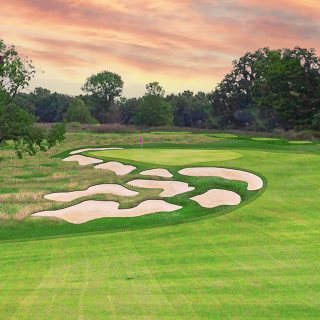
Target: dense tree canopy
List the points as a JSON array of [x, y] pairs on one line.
[[288, 87], [78, 112], [154, 110], [190, 110], [128, 109], [268, 89], [45, 105], [106, 87], [16, 123]]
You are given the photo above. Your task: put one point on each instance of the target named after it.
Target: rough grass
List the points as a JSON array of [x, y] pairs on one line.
[[260, 261], [36, 176], [59, 176]]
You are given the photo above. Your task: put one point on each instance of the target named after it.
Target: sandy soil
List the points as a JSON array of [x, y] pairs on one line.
[[254, 182], [90, 210], [116, 167], [157, 172], [92, 149], [83, 160], [217, 197], [114, 189], [170, 188]]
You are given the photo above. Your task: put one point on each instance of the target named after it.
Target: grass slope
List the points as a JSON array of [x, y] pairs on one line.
[[257, 262]]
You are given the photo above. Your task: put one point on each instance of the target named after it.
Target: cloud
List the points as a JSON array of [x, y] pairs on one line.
[[193, 41]]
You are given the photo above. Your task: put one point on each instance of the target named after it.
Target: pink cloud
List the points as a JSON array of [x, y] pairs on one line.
[[182, 38]]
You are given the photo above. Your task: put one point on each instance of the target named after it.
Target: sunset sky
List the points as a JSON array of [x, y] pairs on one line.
[[183, 44]]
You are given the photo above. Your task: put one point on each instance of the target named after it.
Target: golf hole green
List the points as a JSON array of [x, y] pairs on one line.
[[166, 156]]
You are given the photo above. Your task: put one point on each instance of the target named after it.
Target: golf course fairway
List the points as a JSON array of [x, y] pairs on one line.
[[256, 260]]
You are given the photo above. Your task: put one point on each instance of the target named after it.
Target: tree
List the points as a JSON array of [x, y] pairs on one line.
[[128, 109], [231, 100], [289, 85], [106, 86], [48, 106], [190, 110], [15, 71], [78, 112], [16, 123], [153, 110], [154, 89], [267, 89]]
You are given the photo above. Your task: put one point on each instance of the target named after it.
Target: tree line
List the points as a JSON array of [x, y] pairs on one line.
[[266, 89], [104, 104]]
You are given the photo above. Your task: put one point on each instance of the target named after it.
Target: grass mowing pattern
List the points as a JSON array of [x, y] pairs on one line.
[[257, 262]]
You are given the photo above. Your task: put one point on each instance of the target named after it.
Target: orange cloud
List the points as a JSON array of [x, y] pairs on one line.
[[185, 43]]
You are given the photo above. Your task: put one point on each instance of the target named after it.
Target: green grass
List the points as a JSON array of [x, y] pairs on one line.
[[223, 135], [8, 190], [171, 132], [260, 261], [264, 139], [300, 142], [166, 156]]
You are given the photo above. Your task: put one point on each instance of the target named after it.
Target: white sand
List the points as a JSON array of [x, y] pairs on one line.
[[217, 197], [114, 189], [83, 160], [157, 172], [92, 149], [116, 167], [90, 210], [170, 188], [254, 182]]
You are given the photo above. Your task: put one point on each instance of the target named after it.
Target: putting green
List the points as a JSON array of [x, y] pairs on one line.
[[171, 132], [166, 156], [224, 135], [300, 142], [264, 139]]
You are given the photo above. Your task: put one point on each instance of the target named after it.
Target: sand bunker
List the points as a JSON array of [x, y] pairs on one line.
[[254, 182], [83, 160], [92, 149], [114, 189], [217, 197], [116, 167], [170, 188], [90, 210], [157, 172]]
